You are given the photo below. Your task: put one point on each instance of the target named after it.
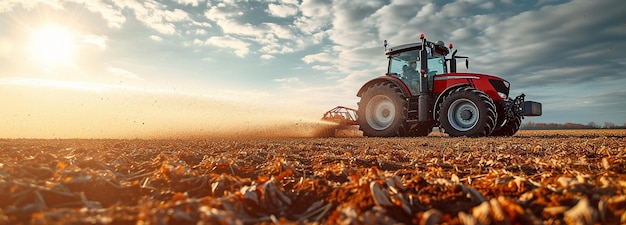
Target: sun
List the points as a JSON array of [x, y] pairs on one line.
[[53, 44]]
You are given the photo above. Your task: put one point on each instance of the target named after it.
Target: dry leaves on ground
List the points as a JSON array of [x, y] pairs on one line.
[[536, 177]]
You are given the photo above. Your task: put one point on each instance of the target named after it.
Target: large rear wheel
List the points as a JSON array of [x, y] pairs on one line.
[[467, 112], [382, 111]]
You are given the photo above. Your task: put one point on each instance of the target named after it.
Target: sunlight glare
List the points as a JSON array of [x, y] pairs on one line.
[[52, 44]]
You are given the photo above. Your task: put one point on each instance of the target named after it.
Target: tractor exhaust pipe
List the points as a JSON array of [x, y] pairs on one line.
[[425, 97]]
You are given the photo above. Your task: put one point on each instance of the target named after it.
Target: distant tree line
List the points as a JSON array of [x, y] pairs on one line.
[[557, 126]]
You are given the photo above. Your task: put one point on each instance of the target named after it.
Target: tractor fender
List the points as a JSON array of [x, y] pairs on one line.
[[444, 93], [394, 80]]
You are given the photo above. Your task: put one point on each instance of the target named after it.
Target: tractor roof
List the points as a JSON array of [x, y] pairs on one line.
[[402, 48], [441, 49]]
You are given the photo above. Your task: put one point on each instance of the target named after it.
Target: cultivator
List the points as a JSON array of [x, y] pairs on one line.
[[341, 115], [344, 122]]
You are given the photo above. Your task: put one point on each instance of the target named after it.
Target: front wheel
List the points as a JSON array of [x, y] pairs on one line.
[[510, 127], [382, 111], [467, 112]]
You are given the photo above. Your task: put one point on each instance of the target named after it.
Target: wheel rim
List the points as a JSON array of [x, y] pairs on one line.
[[380, 112], [463, 115]]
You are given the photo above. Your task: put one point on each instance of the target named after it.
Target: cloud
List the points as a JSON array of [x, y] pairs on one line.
[[156, 38], [97, 40], [275, 47], [289, 82], [189, 2], [222, 11], [312, 8], [113, 16], [267, 35], [200, 24], [197, 32], [279, 31], [282, 10], [267, 57], [323, 57], [581, 107], [291, 2], [7, 5], [316, 15], [615, 99], [119, 72], [155, 15], [323, 68], [271, 37], [353, 24], [233, 27], [562, 47], [240, 47]]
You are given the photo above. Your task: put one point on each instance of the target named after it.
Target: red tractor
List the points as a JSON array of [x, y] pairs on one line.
[[422, 89]]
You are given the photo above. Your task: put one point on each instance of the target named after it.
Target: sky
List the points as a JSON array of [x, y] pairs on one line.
[[135, 69]]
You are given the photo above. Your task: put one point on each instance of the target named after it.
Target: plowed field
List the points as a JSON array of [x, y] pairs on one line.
[[535, 177]]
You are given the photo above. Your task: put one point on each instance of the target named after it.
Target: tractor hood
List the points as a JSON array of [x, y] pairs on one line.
[[496, 87], [467, 76]]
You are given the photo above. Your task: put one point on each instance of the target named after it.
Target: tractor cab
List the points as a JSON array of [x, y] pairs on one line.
[[404, 63]]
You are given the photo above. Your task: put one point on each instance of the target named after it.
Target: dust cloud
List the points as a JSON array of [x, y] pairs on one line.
[[50, 112]]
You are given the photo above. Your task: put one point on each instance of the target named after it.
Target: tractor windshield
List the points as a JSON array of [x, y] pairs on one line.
[[401, 65]]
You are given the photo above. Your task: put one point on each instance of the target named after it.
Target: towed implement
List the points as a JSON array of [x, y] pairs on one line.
[[341, 115], [344, 119]]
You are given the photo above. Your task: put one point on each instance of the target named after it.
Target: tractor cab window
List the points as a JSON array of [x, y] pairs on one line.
[[436, 65], [395, 67], [400, 65], [405, 67]]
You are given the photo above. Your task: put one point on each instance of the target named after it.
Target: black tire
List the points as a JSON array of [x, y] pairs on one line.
[[382, 111], [510, 127], [467, 112]]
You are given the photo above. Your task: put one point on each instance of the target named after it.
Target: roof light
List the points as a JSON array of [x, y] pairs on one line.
[[451, 46], [422, 36]]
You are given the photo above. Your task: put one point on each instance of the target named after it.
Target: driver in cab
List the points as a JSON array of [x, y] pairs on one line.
[[411, 74]]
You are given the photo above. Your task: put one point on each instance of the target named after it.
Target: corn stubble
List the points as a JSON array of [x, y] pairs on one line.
[[536, 177]]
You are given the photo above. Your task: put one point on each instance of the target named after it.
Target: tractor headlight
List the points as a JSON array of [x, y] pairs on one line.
[[506, 83], [503, 95]]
